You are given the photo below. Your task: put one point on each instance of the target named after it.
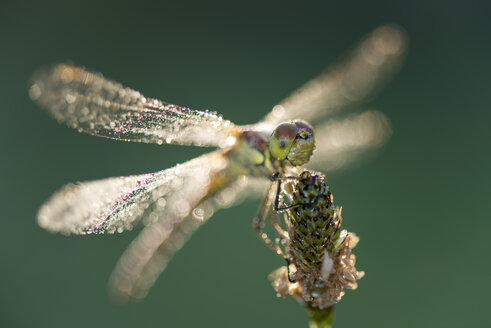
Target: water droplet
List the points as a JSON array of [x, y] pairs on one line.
[[35, 91]]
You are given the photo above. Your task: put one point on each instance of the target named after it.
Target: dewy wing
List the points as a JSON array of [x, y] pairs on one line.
[[345, 140], [117, 204], [353, 79], [93, 104]]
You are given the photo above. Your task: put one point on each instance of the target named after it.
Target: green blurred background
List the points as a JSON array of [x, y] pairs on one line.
[[421, 207]]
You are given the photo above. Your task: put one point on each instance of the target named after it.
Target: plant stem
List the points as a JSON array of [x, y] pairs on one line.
[[321, 318]]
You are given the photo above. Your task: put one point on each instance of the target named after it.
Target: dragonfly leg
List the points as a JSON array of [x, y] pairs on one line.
[[277, 208], [277, 177], [265, 213], [274, 218]]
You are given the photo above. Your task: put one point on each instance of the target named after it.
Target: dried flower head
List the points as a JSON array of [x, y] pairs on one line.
[[321, 288]]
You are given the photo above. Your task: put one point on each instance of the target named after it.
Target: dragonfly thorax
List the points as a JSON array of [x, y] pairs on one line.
[[293, 141]]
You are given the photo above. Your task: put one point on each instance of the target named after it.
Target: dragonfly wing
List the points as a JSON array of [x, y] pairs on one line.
[[343, 141], [90, 103], [349, 81], [117, 204], [149, 253]]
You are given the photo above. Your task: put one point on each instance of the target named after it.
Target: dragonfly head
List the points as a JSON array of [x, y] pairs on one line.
[[293, 141]]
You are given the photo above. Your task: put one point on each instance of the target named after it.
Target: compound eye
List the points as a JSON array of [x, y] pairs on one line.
[[282, 139], [304, 129]]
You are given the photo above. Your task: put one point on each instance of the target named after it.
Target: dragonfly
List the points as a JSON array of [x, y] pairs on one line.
[[174, 202], [318, 252]]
